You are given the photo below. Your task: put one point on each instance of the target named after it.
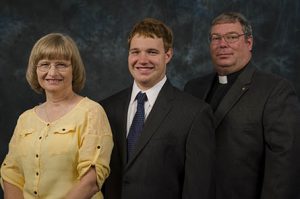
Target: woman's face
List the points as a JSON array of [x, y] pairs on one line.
[[55, 76]]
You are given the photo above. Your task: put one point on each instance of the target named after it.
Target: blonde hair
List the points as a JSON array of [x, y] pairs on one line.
[[56, 46]]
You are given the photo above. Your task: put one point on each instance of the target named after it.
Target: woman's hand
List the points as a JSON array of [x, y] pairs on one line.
[[86, 187], [11, 191]]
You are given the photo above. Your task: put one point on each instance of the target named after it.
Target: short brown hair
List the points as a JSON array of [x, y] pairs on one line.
[[232, 17], [150, 27], [56, 46]]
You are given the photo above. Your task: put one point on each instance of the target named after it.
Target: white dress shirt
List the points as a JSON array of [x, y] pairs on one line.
[[151, 93]]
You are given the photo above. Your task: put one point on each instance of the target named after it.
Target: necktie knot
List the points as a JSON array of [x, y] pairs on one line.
[[141, 98]]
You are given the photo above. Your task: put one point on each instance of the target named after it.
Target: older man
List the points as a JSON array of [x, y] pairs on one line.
[[257, 118]]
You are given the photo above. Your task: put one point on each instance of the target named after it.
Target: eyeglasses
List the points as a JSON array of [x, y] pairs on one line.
[[229, 38], [59, 66]]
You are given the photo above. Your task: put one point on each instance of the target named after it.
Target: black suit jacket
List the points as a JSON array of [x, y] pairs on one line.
[[174, 157], [257, 136]]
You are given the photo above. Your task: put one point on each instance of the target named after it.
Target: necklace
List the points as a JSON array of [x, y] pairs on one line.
[[59, 108], [46, 113]]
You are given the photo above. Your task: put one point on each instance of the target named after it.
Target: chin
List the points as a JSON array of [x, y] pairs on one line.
[[142, 82], [224, 66], [223, 69]]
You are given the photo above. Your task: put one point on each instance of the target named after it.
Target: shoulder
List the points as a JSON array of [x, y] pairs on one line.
[[270, 81], [191, 109], [270, 89], [187, 101], [87, 105], [199, 86], [27, 118], [200, 80], [186, 97], [116, 98], [27, 114]]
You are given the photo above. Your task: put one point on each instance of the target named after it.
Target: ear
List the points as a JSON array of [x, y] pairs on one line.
[[169, 55], [249, 42]]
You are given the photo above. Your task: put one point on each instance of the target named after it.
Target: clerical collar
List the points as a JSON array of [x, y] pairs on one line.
[[230, 78], [222, 79]]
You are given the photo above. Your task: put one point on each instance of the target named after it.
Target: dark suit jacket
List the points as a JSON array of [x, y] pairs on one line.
[[257, 136], [174, 157]]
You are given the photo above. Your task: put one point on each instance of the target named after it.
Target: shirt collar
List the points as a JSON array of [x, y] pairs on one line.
[[230, 78], [222, 79], [151, 93]]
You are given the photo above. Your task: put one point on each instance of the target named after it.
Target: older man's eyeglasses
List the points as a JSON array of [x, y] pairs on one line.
[[229, 38], [59, 66]]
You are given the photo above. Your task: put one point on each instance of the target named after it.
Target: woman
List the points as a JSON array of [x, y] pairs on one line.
[[60, 148]]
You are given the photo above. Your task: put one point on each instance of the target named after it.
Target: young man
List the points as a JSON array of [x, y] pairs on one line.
[[257, 118], [171, 155]]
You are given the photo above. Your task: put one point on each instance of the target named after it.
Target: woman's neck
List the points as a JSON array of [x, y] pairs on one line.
[[57, 106], [55, 100]]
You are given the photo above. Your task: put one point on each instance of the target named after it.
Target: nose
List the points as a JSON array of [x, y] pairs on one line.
[[143, 58], [52, 69], [223, 43]]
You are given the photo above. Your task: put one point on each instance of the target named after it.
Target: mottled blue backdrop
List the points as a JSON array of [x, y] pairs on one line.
[[100, 28]]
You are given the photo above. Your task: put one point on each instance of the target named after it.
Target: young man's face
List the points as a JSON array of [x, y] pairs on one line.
[[232, 55], [147, 60]]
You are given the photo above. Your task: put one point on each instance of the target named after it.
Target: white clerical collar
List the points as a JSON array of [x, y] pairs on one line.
[[223, 79]]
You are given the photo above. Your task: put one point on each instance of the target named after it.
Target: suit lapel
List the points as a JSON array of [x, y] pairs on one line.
[[207, 84], [200, 87], [121, 140], [159, 111], [240, 87]]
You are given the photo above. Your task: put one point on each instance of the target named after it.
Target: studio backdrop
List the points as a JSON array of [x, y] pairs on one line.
[[100, 29]]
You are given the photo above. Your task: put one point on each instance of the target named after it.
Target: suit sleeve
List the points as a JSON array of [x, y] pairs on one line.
[[281, 123], [200, 157]]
